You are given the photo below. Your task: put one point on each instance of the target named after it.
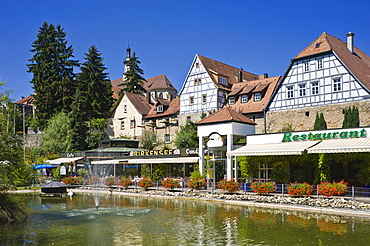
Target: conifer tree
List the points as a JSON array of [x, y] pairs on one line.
[[320, 123], [133, 77], [52, 68], [93, 84], [351, 117]]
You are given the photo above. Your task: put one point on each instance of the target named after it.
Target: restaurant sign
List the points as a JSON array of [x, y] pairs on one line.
[[153, 153], [290, 137]]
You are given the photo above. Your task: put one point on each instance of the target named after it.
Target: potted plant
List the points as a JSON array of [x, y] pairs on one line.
[[170, 183], [331, 189], [263, 188], [109, 181], [230, 186], [125, 182], [145, 183], [196, 183], [300, 189]]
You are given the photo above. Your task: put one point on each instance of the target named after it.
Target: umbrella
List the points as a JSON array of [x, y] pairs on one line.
[[43, 166]]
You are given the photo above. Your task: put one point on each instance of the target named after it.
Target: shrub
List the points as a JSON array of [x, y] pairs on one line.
[[145, 183], [109, 181], [72, 180], [263, 188], [196, 183], [331, 189], [125, 182], [170, 183], [299, 189], [229, 185]]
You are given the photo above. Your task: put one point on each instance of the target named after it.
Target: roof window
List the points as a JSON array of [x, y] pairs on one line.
[[318, 45]]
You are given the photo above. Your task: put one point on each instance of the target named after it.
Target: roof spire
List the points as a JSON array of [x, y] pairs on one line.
[[126, 60]]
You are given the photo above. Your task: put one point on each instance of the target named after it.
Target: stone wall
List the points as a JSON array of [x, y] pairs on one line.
[[304, 118]]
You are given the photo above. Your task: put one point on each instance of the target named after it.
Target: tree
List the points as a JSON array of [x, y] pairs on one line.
[[320, 123], [187, 136], [52, 69], [57, 134], [94, 86], [351, 117], [148, 140], [133, 77], [78, 125]]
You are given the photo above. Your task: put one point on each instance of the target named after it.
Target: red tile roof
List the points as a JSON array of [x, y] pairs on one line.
[[26, 100], [138, 101], [173, 108], [226, 114], [358, 62], [267, 85], [215, 68]]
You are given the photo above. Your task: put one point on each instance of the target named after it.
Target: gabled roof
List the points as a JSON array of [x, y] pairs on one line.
[[26, 100], [173, 108], [267, 85], [226, 114], [358, 62], [154, 83], [222, 69], [138, 101]]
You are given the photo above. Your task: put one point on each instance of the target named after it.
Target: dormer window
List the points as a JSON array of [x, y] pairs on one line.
[[244, 99], [231, 100], [318, 45], [160, 109], [222, 80], [257, 97]]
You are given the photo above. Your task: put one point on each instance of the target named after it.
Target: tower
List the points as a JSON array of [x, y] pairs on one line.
[[126, 60]]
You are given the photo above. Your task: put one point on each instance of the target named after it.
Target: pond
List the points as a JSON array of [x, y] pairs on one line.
[[125, 220]]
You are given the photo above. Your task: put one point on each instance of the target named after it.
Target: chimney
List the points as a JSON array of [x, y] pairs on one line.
[[240, 76], [350, 41], [265, 75]]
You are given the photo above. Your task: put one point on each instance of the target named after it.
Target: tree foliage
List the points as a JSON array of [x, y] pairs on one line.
[[187, 137], [320, 123], [148, 140], [52, 68], [351, 117], [133, 77]]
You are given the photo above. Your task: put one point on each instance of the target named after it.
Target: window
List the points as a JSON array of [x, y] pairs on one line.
[[319, 64], [204, 99], [125, 108], [167, 138], [257, 97], [315, 88], [160, 109], [302, 90], [290, 93], [222, 80], [244, 99], [318, 45], [122, 125], [188, 118], [132, 123], [197, 81], [191, 101], [337, 85], [306, 66], [231, 100], [197, 65]]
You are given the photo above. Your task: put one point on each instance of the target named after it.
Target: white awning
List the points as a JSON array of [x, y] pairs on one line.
[[291, 148], [164, 160], [63, 160], [341, 146], [115, 161]]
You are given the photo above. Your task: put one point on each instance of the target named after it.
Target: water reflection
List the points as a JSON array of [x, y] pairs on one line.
[[123, 220]]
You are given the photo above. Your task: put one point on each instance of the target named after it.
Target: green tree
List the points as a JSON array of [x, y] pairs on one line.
[[79, 128], [320, 123], [187, 136], [351, 117], [133, 77], [94, 86], [148, 140], [57, 134], [52, 68]]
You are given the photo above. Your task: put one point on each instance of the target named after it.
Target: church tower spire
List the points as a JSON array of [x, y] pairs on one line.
[[126, 60]]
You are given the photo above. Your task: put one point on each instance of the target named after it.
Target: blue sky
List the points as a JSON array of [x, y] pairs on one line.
[[259, 36]]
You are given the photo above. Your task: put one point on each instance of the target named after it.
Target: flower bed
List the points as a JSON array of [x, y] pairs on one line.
[[125, 182], [196, 183], [170, 183], [229, 185], [109, 181], [72, 180], [331, 189], [263, 188], [145, 183], [300, 189]]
